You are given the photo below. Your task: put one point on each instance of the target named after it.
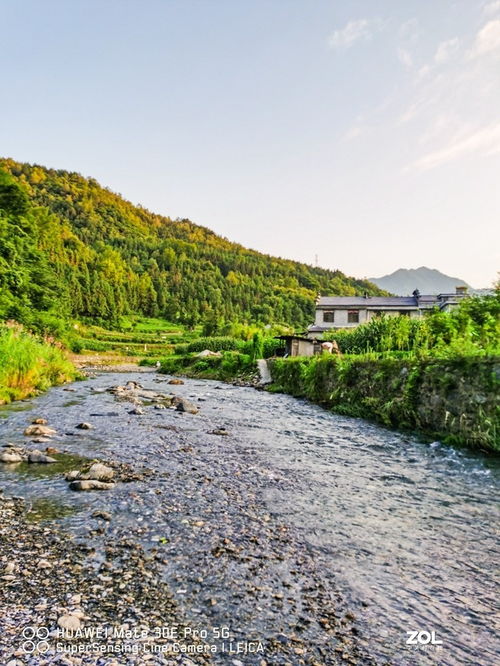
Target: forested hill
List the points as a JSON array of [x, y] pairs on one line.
[[70, 246]]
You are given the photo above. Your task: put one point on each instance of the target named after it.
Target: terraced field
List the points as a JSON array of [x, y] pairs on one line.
[[144, 339]]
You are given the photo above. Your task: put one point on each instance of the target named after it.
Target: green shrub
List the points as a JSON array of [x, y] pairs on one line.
[[28, 365]]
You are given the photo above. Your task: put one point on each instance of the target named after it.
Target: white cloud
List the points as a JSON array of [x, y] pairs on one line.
[[354, 132], [405, 58], [487, 39], [354, 31], [485, 141], [446, 50], [492, 7]]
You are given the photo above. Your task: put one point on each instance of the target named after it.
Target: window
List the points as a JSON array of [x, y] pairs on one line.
[[329, 316], [353, 316]]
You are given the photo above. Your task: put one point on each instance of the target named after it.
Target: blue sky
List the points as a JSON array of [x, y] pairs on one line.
[[367, 133]]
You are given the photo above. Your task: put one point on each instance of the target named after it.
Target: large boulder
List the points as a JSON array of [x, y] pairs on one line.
[[39, 457], [90, 484], [98, 472], [36, 430], [184, 405], [10, 457]]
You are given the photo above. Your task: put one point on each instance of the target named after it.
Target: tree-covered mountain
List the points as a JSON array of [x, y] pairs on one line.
[[404, 281], [73, 248]]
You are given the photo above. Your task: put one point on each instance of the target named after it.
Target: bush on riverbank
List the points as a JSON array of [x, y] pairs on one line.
[[454, 400], [28, 366], [227, 367], [257, 347]]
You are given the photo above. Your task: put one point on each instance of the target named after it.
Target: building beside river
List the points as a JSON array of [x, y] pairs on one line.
[[350, 311]]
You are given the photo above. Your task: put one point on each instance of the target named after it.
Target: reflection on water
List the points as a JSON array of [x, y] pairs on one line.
[[405, 529], [48, 509]]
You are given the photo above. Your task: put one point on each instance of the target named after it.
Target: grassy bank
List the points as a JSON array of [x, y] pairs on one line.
[[230, 366], [454, 400], [28, 366]]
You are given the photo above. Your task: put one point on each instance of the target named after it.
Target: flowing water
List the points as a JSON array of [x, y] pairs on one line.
[[405, 530]]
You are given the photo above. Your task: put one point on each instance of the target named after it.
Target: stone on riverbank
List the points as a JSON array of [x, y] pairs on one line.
[[69, 622], [99, 472], [84, 426], [176, 382], [36, 430], [103, 515], [184, 405], [9, 457], [91, 484], [39, 457]]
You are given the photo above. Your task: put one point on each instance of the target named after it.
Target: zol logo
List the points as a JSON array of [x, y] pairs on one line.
[[422, 638]]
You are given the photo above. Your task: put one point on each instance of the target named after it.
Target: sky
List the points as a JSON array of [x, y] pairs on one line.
[[362, 135]]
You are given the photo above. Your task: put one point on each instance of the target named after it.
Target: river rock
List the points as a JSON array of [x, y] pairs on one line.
[[184, 405], [10, 457], [98, 472], [69, 622], [137, 411], [39, 457], [103, 515], [73, 475], [36, 430], [84, 426], [219, 431], [40, 421], [91, 484], [177, 382], [133, 385]]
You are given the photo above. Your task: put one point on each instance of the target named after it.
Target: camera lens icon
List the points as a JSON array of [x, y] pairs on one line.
[[42, 647], [28, 646], [31, 632]]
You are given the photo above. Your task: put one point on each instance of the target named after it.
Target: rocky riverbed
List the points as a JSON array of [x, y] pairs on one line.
[[170, 555]]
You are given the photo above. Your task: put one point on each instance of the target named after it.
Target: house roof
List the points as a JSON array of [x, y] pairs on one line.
[[294, 337], [375, 301]]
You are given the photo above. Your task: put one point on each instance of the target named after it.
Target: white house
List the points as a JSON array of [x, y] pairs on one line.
[[350, 311]]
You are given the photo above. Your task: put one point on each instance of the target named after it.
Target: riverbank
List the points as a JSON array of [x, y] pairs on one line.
[[29, 366], [454, 400], [223, 556], [58, 585], [227, 366]]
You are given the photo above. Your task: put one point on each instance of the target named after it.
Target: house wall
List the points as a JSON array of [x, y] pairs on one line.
[[341, 318], [364, 316], [306, 348]]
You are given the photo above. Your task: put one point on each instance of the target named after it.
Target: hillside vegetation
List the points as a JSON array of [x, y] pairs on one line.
[[70, 248]]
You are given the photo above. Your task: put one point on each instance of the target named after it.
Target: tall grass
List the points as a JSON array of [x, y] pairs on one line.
[[28, 366]]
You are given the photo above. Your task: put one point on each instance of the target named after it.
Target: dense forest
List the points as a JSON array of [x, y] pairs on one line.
[[70, 248]]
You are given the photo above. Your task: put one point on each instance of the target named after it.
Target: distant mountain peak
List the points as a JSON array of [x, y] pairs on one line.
[[404, 281]]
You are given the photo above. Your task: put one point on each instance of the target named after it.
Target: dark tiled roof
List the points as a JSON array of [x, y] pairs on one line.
[[294, 337], [374, 301]]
